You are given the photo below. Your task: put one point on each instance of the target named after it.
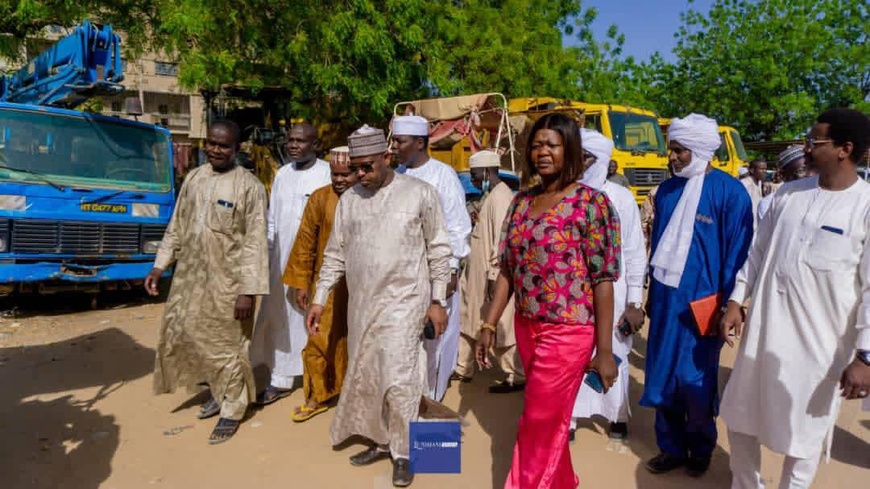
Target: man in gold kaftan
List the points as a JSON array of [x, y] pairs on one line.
[[217, 241], [324, 357]]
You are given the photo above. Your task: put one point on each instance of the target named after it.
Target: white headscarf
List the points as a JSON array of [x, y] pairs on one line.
[[700, 135], [602, 148]]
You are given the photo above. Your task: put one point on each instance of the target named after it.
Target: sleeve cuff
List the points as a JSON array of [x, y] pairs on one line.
[[740, 293], [439, 291], [492, 275], [454, 263], [863, 342], [320, 297], [635, 295]]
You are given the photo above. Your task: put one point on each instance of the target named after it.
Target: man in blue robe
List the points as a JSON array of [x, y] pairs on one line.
[[701, 235]]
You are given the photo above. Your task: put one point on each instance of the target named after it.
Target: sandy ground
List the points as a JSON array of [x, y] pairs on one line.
[[77, 412]]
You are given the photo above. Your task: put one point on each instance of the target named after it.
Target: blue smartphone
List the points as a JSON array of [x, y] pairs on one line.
[[593, 379]]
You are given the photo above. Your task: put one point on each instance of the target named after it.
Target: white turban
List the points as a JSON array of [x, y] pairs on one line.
[[410, 125], [700, 135], [602, 148]]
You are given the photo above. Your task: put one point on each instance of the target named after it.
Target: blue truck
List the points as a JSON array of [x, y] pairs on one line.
[[84, 198]]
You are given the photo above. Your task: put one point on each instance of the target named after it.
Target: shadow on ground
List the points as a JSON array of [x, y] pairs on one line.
[[44, 428]]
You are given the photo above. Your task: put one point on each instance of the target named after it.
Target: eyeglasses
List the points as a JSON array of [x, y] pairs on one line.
[[813, 142], [365, 167]]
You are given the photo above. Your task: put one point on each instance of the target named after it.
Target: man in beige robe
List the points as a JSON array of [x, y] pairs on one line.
[[217, 240], [480, 274], [390, 242]]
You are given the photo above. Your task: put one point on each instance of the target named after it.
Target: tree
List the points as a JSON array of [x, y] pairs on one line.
[[769, 67]]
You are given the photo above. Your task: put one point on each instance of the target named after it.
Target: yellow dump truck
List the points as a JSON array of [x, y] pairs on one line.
[[639, 146], [730, 156]]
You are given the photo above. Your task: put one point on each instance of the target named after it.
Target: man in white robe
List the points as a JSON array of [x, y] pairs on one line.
[[390, 243], [479, 275], [753, 183], [808, 273], [627, 291], [409, 145], [279, 333], [791, 167]]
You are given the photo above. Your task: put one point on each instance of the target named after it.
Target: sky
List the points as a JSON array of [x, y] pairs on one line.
[[648, 25]]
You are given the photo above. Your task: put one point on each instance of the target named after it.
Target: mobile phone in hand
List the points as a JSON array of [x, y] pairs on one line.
[[625, 328], [593, 379], [429, 331]]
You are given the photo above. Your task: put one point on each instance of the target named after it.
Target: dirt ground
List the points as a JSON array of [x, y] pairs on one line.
[[77, 412]]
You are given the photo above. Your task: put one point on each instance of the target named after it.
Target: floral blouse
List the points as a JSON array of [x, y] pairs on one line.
[[557, 257]]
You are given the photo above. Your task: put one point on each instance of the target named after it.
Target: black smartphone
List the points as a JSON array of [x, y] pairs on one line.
[[625, 328], [429, 331]]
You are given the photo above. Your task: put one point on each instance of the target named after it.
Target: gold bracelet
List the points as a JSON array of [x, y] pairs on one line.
[[488, 326]]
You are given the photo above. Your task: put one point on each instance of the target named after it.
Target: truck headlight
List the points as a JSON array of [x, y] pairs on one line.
[[150, 247]]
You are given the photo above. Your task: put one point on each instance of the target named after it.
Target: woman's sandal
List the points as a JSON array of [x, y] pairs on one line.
[[223, 431], [304, 413]]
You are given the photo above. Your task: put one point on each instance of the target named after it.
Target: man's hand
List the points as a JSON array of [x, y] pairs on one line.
[[451, 286], [152, 280], [732, 320], [244, 307], [855, 381], [635, 317], [312, 320], [606, 368], [301, 298], [438, 316]]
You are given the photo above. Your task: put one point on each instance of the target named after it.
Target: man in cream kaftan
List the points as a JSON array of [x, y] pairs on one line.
[[480, 274], [627, 290], [279, 334], [217, 240], [410, 141], [390, 243], [808, 274]]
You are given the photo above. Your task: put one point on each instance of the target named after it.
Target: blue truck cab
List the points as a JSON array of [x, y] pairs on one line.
[[84, 198]]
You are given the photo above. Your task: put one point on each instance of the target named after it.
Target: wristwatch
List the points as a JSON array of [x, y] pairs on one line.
[[864, 356], [636, 305], [440, 302]]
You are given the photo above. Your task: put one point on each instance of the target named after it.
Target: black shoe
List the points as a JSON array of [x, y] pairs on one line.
[[664, 462], [402, 475], [618, 431], [455, 377], [505, 387], [369, 457], [697, 466]]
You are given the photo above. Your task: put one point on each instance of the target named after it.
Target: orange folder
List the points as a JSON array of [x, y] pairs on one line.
[[705, 312]]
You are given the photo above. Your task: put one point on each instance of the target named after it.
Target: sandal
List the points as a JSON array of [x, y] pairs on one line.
[[304, 413], [209, 409], [223, 431], [271, 394]]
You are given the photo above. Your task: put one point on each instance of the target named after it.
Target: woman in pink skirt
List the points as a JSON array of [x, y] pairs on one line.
[[560, 256]]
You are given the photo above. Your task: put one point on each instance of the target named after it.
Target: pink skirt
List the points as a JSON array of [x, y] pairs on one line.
[[554, 358]]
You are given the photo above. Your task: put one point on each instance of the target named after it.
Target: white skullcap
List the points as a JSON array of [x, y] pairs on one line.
[[366, 141], [410, 125], [484, 159], [602, 148], [339, 156], [698, 133]]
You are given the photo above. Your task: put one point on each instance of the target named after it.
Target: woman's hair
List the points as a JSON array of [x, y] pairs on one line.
[[572, 166]]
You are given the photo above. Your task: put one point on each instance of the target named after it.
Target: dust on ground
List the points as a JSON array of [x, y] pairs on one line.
[[77, 412]]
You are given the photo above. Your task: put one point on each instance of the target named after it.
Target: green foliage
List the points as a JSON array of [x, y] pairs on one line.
[[769, 67]]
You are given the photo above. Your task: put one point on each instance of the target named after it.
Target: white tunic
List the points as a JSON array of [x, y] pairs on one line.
[[628, 289], [808, 272], [443, 352], [279, 333]]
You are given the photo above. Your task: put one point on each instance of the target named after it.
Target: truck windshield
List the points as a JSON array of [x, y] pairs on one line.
[[636, 132], [83, 152], [738, 145]]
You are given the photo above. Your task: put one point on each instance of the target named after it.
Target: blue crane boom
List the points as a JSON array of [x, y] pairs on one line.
[[85, 64]]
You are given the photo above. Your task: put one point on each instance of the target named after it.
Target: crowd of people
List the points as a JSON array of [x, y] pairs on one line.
[[377, 290]]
